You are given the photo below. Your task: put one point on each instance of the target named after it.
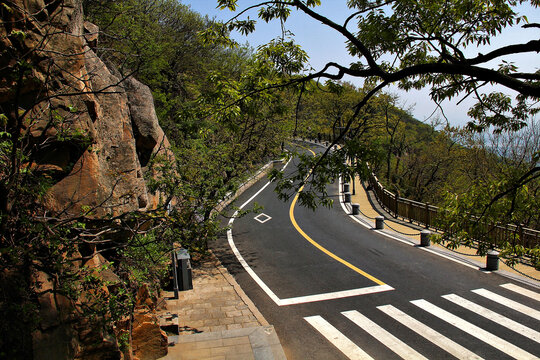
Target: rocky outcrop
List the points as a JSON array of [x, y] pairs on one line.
[[92, 133], [149, 341], [100, 129]]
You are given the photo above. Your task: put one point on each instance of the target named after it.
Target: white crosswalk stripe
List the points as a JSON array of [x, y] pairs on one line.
[[479, 333], [390, 338], [428, 333], [535, 314], [392, 342], [519, 290], [496, 317], [343, 343]]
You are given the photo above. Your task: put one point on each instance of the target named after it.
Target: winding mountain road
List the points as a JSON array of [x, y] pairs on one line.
[[334, 289]]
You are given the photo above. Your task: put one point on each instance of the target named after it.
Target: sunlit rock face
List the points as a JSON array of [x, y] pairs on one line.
[[98, 126]]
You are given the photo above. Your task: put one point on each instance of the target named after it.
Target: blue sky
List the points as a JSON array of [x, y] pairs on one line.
[[323, 45]]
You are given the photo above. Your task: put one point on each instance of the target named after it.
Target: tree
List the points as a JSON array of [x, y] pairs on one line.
[[423, 44], [220, 134]]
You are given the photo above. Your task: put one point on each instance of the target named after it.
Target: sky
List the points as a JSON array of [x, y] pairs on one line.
[[324, 44]]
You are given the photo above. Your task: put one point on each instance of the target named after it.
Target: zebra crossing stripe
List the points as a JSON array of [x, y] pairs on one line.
[[428, 333], [343, 343], [493, 316], [479, 333], [389, 340], [535, 314], [522, 291]]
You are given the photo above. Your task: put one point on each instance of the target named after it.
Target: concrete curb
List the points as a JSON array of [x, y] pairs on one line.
[[263, 171]]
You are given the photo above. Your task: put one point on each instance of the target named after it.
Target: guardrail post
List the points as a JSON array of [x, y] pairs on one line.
[[379, 222], [356, 209], [492, 260], [396, 213], [346, 187], [425, 238], [347, 197]]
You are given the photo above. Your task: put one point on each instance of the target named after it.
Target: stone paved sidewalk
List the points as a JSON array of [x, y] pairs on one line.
[[216, 320]]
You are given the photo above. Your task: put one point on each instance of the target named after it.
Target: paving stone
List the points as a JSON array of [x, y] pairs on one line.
[[235, 313], [250, 324], [243, 340], [226, 321], [242, 349], [249, 356], [214, 321], [234, 326], [241, 319], [218, 328], [209, 344]]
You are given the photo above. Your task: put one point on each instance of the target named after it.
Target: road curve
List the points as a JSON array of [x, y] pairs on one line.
[[336, 290]]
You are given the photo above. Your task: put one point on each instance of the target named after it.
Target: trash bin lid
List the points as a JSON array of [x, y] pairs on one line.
[[182, 254]]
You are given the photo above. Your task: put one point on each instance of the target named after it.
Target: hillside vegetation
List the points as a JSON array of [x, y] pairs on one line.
[[123, 125]]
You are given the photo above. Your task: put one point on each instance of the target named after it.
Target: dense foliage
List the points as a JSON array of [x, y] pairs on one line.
[[227, 109], [427, 44]]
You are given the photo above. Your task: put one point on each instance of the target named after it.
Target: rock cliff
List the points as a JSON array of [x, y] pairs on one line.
[[85, 126], [100, 128]]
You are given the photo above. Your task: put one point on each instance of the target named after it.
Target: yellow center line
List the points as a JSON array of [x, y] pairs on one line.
[[319, 246]]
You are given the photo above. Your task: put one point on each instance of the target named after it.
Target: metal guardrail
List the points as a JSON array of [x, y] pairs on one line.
[[426, 215]]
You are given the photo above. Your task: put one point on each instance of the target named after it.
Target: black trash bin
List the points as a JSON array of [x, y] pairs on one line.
[[181, 271], [183, 266]]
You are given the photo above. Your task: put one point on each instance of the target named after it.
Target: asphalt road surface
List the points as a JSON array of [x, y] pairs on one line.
[[334, 289]]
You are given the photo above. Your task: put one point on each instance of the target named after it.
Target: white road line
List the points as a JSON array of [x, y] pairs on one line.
[[300, 299], [495, 317], [367, 226], [453, 259], [343, 343], [248, 269], [522, 291], [389, 340], [473, 330], [335, 295], [428, 333], [529, 311], [410, 243], [239, 256]]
